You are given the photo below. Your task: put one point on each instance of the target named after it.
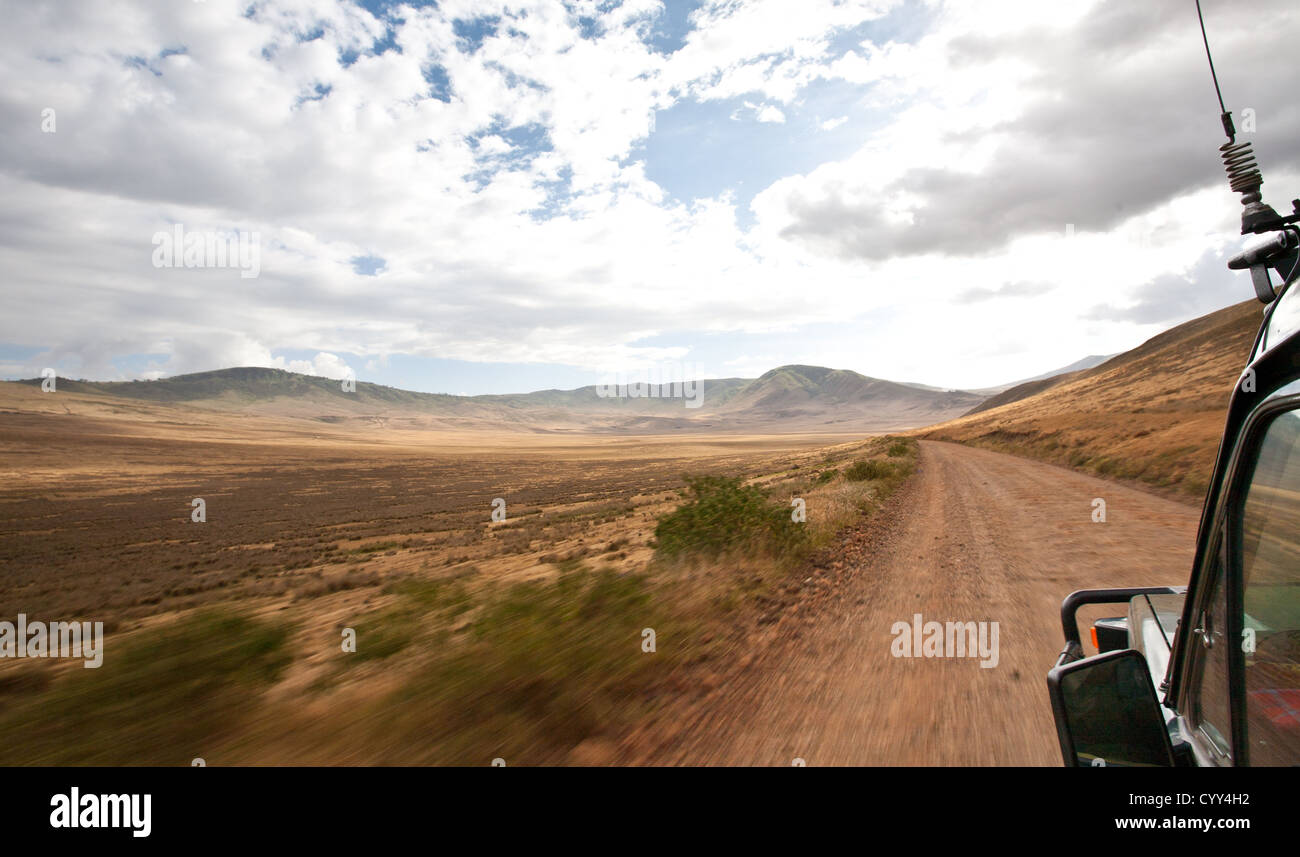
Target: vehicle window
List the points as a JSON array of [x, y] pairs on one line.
[[1211, 714], [1284, 320], [1270, 543]]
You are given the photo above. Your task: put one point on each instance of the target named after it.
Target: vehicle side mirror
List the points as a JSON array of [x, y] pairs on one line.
[[1107, 713]]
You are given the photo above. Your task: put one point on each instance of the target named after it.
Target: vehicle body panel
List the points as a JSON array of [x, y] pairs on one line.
[[1176, 630]]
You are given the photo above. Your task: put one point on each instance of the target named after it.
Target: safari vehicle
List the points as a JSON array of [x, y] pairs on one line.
[[1224, 651]]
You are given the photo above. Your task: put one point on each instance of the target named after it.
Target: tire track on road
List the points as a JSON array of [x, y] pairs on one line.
[[975, 536]]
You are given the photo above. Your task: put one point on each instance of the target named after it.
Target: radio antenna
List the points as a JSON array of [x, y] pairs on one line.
[[1224, 113], [1282, 253], [1244, 176]]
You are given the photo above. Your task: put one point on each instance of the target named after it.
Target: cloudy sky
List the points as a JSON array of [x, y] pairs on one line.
[[479, 196]]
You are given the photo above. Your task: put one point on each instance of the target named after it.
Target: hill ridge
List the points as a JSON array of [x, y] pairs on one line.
[[794, 396]]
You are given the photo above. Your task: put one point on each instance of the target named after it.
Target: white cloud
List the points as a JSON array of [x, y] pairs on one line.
[[323, 365], [517, 220], [760, 112], [774, 47]]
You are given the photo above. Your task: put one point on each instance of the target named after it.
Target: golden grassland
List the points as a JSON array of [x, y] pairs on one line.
[[521, 639], [1154, 414]]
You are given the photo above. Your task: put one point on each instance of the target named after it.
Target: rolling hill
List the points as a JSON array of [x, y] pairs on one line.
[[1017, 390], [789, 398], [1153, 414]]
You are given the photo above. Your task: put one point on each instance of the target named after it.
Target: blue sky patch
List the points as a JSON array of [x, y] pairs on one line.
[[368, 266], [151, 64], [558, 194], [318, 93], [470, 35], [905, 24], [698, 150], [380, 8], [439, 82], [669, 31]]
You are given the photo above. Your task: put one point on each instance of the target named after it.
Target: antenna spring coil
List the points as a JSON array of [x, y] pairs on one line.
[[1243, 172]]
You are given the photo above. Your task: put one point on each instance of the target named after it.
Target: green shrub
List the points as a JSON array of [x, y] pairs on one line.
[[159, 698], [720, 515], [869, 468], [383, 633], [900, 448]]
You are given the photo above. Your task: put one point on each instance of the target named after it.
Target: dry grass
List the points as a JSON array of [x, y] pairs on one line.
[[474, 639], [1154, 414]]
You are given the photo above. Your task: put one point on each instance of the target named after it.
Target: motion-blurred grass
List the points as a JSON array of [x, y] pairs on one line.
[[460, 671], [541, 667], [161, 699]]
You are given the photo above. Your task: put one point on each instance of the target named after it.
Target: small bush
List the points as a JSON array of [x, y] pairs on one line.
[[869, 468], [384, 633], [720, 515], [900, 448]]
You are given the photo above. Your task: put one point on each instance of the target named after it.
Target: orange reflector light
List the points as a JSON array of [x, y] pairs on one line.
[[1095, 644]]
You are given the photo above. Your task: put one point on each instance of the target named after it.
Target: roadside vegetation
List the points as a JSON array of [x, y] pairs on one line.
[[538, 669], [723, 516], [1172, 454], [1152, 415], [467, 668], [159, 700]]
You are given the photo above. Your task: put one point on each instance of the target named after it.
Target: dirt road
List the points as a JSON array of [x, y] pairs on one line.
[[976, 536]]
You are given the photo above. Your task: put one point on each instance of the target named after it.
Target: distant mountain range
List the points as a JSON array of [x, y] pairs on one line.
[[1078, 365], [1153, 413], [788, 398], [1023, 389]]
